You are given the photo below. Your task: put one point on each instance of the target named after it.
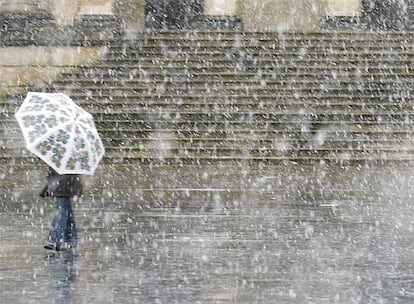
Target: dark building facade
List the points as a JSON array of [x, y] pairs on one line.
[[376, 15], [388, 14], [171, 14]]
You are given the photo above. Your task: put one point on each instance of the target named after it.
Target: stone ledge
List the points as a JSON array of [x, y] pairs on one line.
[[23, 67]]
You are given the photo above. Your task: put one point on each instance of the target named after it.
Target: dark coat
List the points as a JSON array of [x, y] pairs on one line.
[[62, 185]]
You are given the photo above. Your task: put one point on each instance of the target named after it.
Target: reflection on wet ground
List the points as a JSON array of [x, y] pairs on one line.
[[228, 233]]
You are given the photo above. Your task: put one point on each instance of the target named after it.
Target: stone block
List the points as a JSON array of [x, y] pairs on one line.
[[19, 5], [220, 7], [63, 11], [131, 14], [343, 8], [281, 15], [96, 29], [95, 7]]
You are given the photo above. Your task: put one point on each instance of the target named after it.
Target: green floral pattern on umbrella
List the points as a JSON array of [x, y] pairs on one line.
[[45, 146], [31, 120], [79, 143], [62, 137], [37, 104], [60, 132], [51, 122], [81, 159], [38, 131]]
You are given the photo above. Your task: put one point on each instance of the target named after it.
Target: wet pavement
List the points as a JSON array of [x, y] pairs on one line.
[[216, 233]]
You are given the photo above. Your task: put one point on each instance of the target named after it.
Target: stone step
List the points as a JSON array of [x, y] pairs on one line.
[[388, 50], [132, 159], [159, 97], [294, 127], [283, 115], [240, 90], [273, 43], [345, 132], [225, 71], [189, 114], [225, 147], [347, 65], [117, 155], [236, 80], [282, 142], [357, 36], [266, 46], [144, 74], [192, 81], [118, 129], [349, 134], [230, 103], [229, 47], [225, 103], [288, 50], [229, 66], [172, 106], [276, 76], [396, 91], [369, 41], [253, 110], [257, 100], [255, 60], [236, 33], [217, 51], [101, 75], [216, 108], [302, 126]]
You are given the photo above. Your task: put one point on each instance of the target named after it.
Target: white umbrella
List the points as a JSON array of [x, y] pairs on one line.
[[60, 133]]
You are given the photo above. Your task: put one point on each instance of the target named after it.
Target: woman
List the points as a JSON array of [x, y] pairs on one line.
[[62, 235]]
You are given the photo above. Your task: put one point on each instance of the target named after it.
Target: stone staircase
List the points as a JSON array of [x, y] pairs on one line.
[[227, 95]]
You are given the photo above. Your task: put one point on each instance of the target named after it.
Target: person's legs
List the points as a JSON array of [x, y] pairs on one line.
[[59, 224], [71, 235]]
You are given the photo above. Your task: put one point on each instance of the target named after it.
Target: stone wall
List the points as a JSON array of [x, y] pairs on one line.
[[263, 15], [132, 15]]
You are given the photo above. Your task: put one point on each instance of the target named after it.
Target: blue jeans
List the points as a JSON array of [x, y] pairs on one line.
[[63, 228]]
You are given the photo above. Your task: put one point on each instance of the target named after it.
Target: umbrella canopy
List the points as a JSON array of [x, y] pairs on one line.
[[60, 133]]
